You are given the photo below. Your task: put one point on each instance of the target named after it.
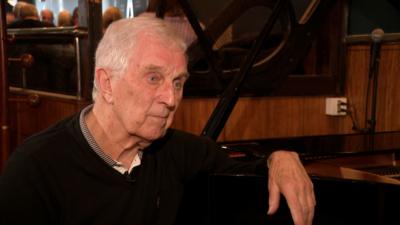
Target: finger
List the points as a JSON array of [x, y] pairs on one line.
[[301, 205], [296, 210], [307, 201], [312, 203], [310, 217], [274, 197]]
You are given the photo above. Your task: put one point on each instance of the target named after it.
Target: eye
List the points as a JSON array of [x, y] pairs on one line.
[[154, 78], [178, 84]]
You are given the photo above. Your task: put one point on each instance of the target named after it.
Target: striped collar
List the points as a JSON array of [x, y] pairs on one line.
[[96, 148]]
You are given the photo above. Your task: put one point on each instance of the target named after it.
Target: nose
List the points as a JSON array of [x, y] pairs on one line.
[[168, 95]]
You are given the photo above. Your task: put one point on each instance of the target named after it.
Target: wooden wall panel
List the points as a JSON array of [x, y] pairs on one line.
[[388, 114], [357, 80], [276, 117], [388, 97], [28, 119], [193, 113], [262, 117]]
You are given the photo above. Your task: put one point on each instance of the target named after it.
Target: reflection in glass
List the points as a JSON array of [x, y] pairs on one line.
[[54, 64], [57, 6], [129, 8]]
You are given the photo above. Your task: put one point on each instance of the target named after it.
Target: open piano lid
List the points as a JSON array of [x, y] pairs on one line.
[[227, 38]]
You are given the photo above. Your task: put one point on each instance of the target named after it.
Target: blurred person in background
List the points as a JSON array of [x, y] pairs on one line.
[[111, 14], [17, 10], [47, 16], [64, 19], [27, 16], [75, 17], [9, 13]]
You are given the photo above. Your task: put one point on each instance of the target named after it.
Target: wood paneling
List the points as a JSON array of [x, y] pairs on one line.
[[273, 117], [194, 113], [28, 119], [389, 89], [388, 85]]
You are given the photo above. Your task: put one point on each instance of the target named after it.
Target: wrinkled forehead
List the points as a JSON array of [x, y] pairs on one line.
[[171, 42], [158, 45], [158, 52]]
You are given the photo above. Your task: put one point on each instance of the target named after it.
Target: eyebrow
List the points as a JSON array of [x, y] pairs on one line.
[[185, 75], [153, 67], [160, 69]]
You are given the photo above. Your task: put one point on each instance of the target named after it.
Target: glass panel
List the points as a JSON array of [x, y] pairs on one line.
[[128, 8], [45, 61], [364, 16], [57, 6]]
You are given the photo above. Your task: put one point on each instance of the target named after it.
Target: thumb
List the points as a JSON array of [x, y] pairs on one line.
[[273, 200]]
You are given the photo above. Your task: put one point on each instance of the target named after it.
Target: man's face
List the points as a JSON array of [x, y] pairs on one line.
[[47, 17], [146, 97]]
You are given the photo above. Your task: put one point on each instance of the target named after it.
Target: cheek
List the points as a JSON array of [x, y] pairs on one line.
[[178, 99], [137, 104], [125, 103], [130, 97]]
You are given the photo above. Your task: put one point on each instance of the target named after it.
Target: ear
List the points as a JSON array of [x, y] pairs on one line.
[[103, 79]]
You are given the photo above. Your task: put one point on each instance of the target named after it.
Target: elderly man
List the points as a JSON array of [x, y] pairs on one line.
[[117, 161]]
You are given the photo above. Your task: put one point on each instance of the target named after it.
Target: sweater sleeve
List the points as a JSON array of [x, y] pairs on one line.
[[23, 197]]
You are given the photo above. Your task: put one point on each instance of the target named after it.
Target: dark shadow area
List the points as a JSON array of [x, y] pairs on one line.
[[237, 199]]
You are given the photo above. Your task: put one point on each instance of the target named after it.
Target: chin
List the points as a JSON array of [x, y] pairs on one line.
[[152, 131], [154, 135]]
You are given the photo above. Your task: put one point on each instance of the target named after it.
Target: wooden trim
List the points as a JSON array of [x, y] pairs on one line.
[[366, 38], [43, 93], [5, 137]]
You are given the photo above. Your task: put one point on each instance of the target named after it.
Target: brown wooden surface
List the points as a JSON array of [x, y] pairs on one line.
[[363, 161], [273, 117], [28, 119], [4, 122], [327, 170]]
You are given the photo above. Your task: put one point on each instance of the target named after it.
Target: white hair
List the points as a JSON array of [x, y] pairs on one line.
[[120, 39]]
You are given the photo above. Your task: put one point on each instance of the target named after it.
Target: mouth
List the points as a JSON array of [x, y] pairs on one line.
[[160, 117]]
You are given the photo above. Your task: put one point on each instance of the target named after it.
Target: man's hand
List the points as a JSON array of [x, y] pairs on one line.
[[288, 176]]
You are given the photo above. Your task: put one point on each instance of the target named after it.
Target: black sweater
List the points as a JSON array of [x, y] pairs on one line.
[[56, 178]]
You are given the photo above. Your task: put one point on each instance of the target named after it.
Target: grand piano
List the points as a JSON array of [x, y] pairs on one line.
[[356, 177]]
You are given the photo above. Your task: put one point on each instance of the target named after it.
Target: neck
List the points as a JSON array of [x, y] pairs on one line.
[[111, 137]]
